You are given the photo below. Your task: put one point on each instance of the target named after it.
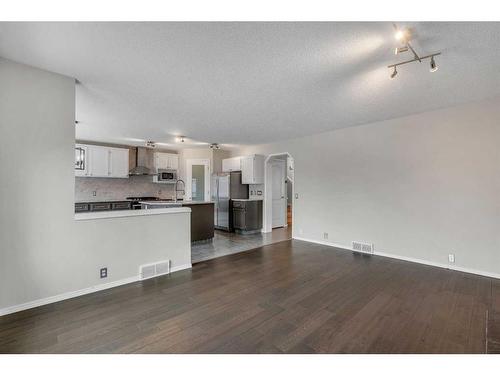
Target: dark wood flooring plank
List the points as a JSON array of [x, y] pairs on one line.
[[287, 297]]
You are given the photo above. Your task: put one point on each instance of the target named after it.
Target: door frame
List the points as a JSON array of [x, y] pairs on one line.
[[267, 212], [189, 177], [282, 165]]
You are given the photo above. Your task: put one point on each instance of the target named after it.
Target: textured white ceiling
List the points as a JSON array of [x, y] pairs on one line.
[[248, 83]]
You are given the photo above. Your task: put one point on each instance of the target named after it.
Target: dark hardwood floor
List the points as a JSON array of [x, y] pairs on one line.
[[288, 297]]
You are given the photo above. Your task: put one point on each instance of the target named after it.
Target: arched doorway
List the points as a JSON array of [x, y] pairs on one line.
[[278, 205]]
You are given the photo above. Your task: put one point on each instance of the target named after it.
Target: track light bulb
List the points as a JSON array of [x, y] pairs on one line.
[[394, 73], [434, 66]]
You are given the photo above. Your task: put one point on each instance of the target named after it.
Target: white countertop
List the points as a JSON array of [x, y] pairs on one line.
[[196, 202], [161, 203], [173, 203], [246, 199], [127, 213]]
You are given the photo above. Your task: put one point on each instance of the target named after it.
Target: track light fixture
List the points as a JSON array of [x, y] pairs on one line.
[[394, 73], [434, 66], [433, 63], [214, 146], [404, 36], [150, 144]]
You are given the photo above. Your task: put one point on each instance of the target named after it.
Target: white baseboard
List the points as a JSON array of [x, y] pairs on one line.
[[180, 268], [77, 293], [407, 259]]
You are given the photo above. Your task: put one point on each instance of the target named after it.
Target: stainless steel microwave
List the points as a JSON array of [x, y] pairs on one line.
[[167, 175]]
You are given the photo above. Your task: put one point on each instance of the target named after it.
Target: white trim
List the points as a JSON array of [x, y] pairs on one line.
[[180, 268], [128, 213], [267, 205], [81, 292], [407, 259]]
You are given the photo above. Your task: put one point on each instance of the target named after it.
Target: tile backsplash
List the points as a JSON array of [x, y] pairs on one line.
[[256, 191], [119, 188]]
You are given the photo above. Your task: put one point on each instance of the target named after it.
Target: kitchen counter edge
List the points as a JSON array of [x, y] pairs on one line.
[[129, 213]]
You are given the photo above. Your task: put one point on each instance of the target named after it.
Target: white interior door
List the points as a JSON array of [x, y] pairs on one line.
[[278, 194]]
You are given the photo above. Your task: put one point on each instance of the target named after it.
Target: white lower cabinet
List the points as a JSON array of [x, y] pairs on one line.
[[101, 161]]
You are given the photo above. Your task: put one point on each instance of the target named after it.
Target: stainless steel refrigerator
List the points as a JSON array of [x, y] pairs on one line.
[[226, 186]]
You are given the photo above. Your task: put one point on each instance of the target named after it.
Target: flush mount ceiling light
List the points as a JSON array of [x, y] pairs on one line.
[[404, 36]]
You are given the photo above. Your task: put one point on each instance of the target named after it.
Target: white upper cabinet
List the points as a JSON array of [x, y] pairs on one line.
[[119, 166], [164, 160], [173, 161], [231, 164], [252, 169], [101, 161]]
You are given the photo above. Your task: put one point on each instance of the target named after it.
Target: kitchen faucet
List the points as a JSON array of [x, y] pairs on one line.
[[178, 190]]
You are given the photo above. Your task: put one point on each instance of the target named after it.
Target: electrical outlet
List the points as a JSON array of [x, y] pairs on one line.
[[296, 195], [94, 193], [325, 236], [451, 258], [104, 272]]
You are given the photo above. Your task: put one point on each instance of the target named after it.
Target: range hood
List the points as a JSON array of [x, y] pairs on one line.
[[143, 162]]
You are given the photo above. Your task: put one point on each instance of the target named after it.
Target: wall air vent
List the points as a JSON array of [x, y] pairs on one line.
[[147, 271], [362, 247]]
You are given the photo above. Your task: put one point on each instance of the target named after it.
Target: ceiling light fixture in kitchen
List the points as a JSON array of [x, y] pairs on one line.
[[180, 139], [150, 144], [214, 146]]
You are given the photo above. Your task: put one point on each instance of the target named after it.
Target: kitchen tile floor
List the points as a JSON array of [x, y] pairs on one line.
[[225, 243]]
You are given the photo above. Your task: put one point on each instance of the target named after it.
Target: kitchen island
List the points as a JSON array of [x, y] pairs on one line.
[[202, 220], [202, 216]]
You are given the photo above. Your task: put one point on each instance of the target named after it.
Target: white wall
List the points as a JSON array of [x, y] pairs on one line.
[[420, 187], [44, 252]]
